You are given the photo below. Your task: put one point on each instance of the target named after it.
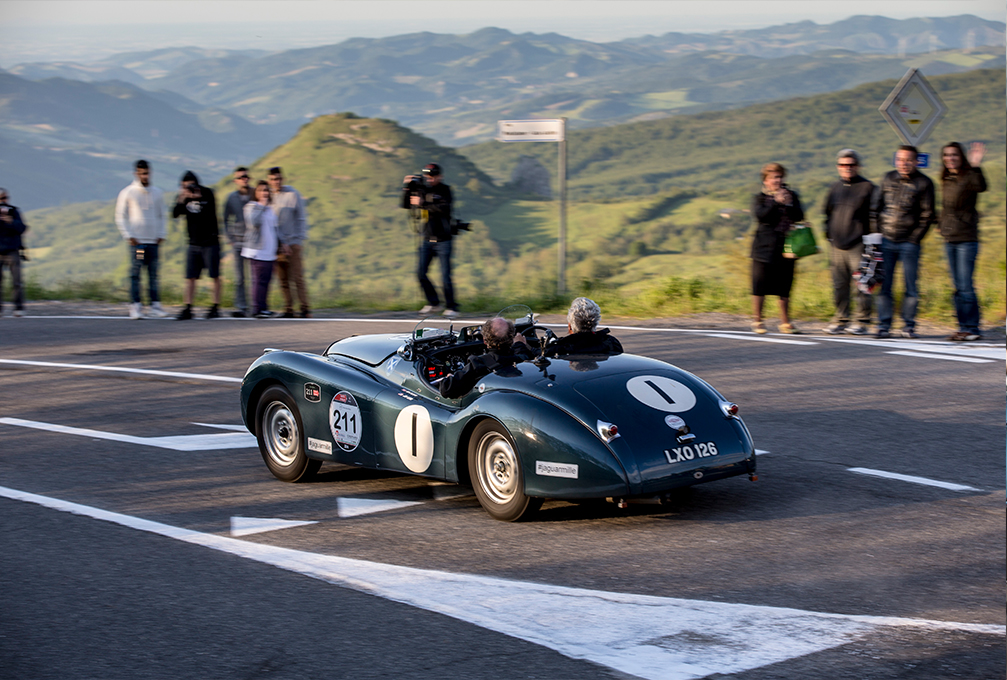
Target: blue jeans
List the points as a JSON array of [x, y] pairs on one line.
[[962, 262], [909, 253], [442, 250], [143, 255]]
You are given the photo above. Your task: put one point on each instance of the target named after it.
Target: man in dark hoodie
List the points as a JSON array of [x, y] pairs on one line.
[[11, 228], [847, 211], [902, 212], [583, 335], [198, 205]]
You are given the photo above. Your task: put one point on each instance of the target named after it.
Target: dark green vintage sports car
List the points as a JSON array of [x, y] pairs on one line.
[[581, 427]]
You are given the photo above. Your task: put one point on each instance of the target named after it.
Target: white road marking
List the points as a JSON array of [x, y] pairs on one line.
[[945, 357], [760, 452], [245, 526], [760, 338], [232, 428], [119, 369], [656, 638], [188, 442], [984, 351], [354, 507], [911, 478]]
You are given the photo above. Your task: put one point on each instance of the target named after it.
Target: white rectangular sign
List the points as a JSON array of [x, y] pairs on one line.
[[530, 130]]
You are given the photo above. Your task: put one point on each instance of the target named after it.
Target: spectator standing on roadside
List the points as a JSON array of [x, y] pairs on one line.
[[292, 231], [139, 215], [962, 181], [902, 211], [234, 229], [260, 248], [11, 228], [776, 208], [847, 211], [199, 206]]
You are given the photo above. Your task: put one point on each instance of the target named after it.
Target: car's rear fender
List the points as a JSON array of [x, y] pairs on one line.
[[560, 456]]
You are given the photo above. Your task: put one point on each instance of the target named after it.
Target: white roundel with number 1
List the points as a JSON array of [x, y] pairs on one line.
[[663, 394]]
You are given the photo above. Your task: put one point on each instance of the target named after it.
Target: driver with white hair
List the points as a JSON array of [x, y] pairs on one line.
[[584, 336]]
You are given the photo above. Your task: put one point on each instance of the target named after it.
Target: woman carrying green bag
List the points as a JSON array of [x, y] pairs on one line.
[[777, 208]]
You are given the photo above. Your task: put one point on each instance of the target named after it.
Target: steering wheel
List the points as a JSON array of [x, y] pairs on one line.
[[550, 337]]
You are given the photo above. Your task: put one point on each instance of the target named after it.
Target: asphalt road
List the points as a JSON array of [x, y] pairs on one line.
[[84, 598]]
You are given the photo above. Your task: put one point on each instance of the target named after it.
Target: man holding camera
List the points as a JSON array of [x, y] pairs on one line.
[[11, 228], [199, 206], [432, 199]]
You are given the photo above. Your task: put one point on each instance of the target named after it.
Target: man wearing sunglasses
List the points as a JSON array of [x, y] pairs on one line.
[[847, 211], [234, 228]]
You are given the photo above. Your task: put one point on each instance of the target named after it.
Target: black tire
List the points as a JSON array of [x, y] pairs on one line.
[[495, 471], [281, 437]]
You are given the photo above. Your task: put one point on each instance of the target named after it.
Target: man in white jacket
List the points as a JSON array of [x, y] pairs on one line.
[[139, 214]]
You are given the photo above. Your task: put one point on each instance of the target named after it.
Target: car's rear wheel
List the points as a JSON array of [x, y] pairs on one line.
[[281, 437], [495, 470]]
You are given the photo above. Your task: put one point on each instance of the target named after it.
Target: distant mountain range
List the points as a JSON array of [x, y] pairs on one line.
[[210, 109]]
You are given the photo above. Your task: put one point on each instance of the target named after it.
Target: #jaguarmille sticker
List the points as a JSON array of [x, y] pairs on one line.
[[684, 453]]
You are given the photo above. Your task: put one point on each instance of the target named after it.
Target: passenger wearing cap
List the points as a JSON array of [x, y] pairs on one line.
[[434, 202], [847, 211], [199, 206], [583, 335]]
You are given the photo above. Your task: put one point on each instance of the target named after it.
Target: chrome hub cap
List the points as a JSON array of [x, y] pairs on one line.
[[497, 468], [279, 431]]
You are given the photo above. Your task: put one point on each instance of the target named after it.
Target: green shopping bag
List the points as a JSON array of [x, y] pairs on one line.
[[800, 242]]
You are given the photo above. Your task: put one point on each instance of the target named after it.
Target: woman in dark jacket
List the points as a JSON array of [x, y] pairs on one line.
[[776, 208], [962, 181]]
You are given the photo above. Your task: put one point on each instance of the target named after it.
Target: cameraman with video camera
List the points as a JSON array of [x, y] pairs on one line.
[[429, 201]]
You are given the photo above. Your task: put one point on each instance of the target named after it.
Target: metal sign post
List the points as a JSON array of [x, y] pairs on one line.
[[548, 130], [913, 109]]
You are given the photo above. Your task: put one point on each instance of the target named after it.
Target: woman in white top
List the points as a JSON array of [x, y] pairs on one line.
[[260, 247]]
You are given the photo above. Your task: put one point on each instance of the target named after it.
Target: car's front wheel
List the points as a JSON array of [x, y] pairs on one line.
[[495, 470], [281, 437]]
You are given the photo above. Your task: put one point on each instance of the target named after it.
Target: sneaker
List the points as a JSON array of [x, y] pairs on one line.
[[263, 315], [430, 309], [305, 314], [834, 328], [157, 310], [857, 329], [789, 329], [238, 314], [212, 313], [18, 313], [759, 327], [451, 313], [185, 314], [135, 310], [908, 333], [287, 315], [968, 336], [958, 336], [883, 333]]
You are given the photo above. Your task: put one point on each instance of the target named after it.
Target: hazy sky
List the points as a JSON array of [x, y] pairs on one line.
[[46, 30]]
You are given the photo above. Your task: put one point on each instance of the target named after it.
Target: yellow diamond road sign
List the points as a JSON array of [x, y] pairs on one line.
[[913, 108]]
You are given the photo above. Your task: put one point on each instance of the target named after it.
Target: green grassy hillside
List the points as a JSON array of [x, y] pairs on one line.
[[657, 221]]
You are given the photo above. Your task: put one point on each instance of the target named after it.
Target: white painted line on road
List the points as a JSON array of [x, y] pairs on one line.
[[760, 338], [760, 452], [945, 357], [246, 526], [354, 507], [120, 369], [984, 351], [188, 442], [656, 638], [232, 428], [911, 478]]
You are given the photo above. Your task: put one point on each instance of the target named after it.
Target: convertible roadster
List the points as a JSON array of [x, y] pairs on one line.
[[578, 427]]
